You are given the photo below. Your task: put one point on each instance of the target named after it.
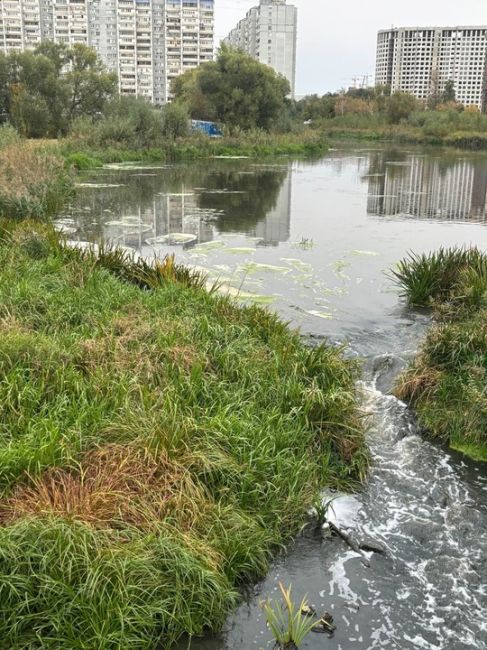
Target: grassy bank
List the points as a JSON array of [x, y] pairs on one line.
[[87, 152], [447, 382], [158, 444]]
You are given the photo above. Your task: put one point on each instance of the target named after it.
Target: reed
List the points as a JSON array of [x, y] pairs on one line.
[[33, 181]]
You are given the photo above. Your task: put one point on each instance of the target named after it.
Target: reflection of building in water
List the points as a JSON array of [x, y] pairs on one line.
[[171, 213], [423, 188], [179, 213], [276, 227]]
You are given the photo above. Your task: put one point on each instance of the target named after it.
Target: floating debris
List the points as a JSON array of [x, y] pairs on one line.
[[100, 186], [174, 239], [319, 314], [209, 246], [369, 253], [299, 265], [222, 192], [255, 267], [246, 296], [240, 250]]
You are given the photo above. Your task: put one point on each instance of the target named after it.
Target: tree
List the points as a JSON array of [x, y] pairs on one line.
[[235, 90], [448, 94], [175, 121], [400, 106], [43, 91], [89, 84]]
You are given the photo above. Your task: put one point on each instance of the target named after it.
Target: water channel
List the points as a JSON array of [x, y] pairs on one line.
[[314, 240]]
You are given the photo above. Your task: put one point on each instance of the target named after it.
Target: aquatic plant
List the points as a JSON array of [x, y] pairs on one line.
[[288, 622]]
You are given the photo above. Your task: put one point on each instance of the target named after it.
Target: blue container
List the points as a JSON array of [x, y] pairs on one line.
[[209, 128]]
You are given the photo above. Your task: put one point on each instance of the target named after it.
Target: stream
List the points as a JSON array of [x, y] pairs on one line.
[[315, 240]]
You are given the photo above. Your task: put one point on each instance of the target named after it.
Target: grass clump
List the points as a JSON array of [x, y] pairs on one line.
[[158, 443], [33, 181], [447, 382]]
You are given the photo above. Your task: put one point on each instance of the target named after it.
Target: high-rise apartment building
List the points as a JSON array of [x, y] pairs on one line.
[[268, 33], [421, 60], [146, 42]]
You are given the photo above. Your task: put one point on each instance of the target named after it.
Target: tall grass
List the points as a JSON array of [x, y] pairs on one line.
[[447, 382], [458, 274], [33, 182], [158, 443]]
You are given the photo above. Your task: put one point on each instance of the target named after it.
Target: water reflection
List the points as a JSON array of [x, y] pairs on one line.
[[428, 187], [184, 205]]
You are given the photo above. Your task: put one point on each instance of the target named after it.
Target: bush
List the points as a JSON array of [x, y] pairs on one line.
[[8, 136]]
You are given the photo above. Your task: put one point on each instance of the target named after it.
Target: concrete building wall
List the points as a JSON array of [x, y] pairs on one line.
[[268, 33], [421, 60], [146, 42]]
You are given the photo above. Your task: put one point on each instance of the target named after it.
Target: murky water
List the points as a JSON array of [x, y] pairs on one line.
[[315, 240]]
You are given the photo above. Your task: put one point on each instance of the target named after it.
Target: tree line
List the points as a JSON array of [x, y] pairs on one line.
[[54, 91]]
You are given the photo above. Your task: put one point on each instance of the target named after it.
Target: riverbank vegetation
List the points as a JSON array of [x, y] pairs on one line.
[[82, 113], [375, 114], [158, 443], [447, 382], [34, 181]]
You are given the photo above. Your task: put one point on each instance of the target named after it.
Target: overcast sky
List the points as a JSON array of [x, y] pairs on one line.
[[336, 38]]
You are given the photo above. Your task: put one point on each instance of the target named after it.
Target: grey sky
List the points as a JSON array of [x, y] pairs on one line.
[[336, 38]]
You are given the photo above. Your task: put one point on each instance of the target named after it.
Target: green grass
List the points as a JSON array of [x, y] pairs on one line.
[[158, 444], [86, 154], [447, 382]]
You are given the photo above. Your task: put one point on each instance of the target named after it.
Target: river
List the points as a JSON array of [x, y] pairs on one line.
[[315, 240]]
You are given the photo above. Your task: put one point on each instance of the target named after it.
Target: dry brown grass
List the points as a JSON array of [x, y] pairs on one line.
[[418, 381], [26, 167], [133, 343], [114, 487]]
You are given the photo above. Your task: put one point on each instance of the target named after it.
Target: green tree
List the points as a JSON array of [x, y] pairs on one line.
[[43, 91], [400, 106], [448, 94], [90, 86], [175, 121], [235, 89]]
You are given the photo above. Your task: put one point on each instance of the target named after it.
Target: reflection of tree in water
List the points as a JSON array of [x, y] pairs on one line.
[[257, 195]]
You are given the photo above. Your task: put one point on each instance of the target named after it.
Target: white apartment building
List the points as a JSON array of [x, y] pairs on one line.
[[146, 42], [268, 33], [420, 60]]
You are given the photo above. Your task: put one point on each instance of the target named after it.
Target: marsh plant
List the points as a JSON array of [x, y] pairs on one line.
[[322, 509], [447, 381], [287, 621]]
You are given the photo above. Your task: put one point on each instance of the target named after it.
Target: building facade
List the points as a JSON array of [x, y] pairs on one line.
[[268, 33], [421, 60], [146, 42]]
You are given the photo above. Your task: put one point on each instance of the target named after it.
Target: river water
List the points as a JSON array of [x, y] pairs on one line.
[[314, 240]]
